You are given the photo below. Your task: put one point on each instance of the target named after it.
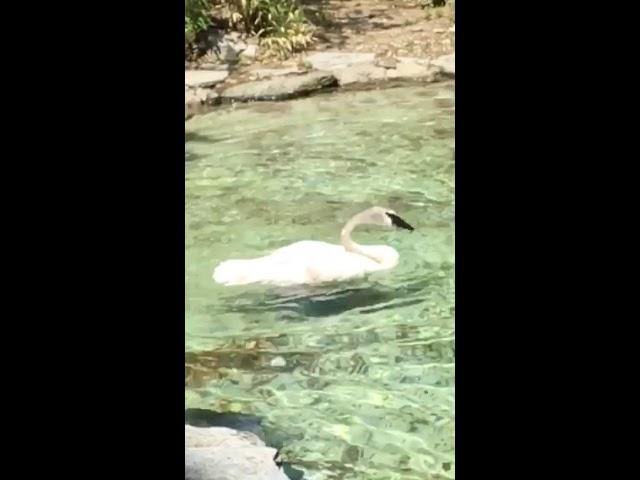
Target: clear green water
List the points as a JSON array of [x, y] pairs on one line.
[[357, 378]]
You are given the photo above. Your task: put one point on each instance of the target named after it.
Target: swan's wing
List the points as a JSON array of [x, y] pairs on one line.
[[305, 249], [318, 262], [310, 262], [306, 262], [340, 266]]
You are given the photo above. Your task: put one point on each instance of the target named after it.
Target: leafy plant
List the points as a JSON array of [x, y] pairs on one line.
[[281, 24], [286, 29], [196, 19]]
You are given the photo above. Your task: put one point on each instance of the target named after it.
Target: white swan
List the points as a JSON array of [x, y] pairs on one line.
[[310, 262]]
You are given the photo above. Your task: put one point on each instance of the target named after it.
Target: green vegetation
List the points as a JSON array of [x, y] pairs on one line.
[[281, 25], [284, 27], [196, 19]]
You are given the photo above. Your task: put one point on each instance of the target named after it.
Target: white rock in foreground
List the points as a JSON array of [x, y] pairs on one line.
[[219, 453]]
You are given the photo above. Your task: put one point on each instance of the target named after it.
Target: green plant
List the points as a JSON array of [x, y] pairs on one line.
[[286, 30], [196, 19], [281, 24]]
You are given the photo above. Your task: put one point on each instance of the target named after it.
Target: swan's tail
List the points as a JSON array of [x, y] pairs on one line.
[[236, 272]]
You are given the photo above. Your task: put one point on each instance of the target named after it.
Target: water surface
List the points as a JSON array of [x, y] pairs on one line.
[[353, 381]]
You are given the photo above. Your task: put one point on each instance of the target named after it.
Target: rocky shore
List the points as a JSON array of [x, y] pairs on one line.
[[205, 89], [366, 44]]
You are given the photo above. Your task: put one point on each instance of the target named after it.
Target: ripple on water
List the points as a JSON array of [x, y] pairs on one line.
[[352, 381]]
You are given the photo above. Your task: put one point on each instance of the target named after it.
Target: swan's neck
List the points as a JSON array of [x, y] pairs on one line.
[[351, 246]]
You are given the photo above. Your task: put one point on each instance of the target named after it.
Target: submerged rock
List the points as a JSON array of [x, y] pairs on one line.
[[219, 453], [280, 88], [198, 417]]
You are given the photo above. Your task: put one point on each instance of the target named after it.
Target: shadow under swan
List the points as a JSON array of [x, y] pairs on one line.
[[301, 303]]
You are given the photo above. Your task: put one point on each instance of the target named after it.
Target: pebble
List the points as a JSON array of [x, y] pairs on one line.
[[278, 362]]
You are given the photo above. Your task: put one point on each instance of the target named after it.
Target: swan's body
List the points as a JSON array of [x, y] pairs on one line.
[[305, 262], [312, 262]]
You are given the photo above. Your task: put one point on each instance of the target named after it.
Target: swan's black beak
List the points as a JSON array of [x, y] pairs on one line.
[[398, 222]]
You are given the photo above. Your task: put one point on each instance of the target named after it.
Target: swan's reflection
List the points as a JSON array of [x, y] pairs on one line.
[[304, 302]]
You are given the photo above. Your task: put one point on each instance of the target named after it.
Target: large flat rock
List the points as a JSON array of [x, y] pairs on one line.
[[336, 60], [405, 68], [362, 68], [262, 73], [413, 69], [280, 88], [219, 453], [204, 78], [360, 73]]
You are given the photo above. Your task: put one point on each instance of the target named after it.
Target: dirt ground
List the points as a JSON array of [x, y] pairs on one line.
[[398, 28], [392, 27]]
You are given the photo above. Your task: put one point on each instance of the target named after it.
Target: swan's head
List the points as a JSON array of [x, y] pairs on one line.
[[384, 217]]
